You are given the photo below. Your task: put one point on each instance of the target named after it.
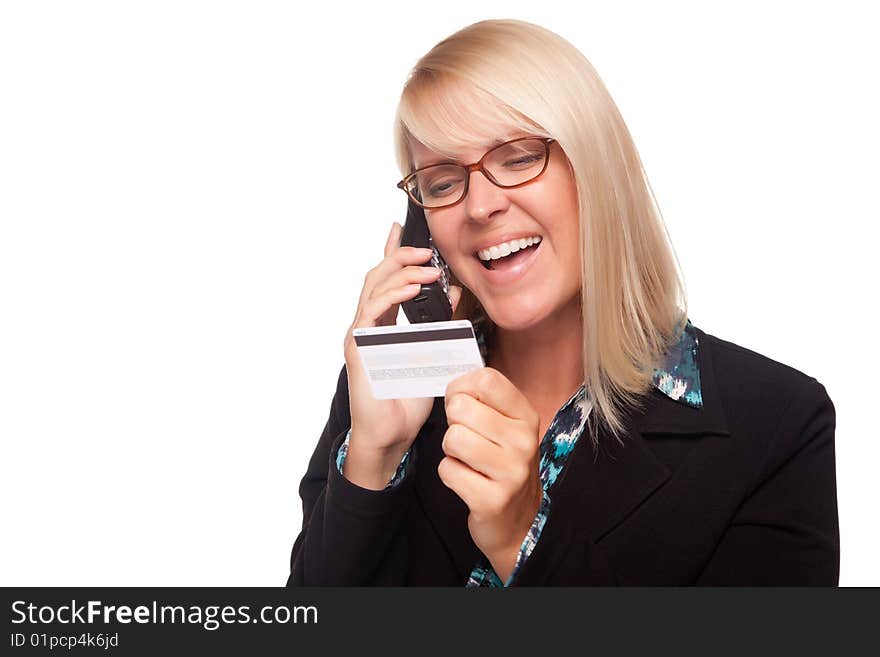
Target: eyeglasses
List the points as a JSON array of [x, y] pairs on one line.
[[511, 164]]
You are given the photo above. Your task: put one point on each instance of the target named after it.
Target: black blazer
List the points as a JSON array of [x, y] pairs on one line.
[[739, 492]]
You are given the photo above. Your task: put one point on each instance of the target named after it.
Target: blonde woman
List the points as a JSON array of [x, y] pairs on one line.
[[608, 441]]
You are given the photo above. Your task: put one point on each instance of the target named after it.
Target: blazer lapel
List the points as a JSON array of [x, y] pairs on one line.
[[601, 487]]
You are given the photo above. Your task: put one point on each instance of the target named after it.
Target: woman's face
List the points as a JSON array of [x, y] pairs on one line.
[[546, 280]]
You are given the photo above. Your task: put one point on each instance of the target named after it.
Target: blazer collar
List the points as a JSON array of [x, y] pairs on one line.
[[598, 488], [688, 379]]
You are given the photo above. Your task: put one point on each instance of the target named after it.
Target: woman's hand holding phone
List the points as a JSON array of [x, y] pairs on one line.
[[382, 430]]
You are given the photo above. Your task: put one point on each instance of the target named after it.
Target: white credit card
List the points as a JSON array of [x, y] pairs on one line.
[[417, 360]]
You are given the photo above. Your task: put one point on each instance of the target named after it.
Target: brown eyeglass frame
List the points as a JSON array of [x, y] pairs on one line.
[[478, 166]]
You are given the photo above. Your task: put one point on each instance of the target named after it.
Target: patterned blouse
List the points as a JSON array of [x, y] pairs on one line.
[[679, 379]]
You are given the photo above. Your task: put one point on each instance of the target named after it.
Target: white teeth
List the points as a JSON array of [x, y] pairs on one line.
[[505, 249]]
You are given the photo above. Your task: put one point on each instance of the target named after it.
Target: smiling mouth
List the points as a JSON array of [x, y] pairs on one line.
[[508, 260]]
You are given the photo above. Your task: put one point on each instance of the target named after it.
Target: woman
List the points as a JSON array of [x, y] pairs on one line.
[[707, 463]]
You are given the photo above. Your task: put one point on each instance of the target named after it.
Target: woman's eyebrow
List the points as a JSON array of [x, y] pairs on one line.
[[441, 160], [436, 160]]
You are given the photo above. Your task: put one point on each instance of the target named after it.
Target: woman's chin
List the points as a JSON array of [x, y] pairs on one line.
[[513, 316]]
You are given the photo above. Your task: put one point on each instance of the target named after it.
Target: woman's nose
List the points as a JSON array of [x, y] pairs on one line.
[[484, 197]]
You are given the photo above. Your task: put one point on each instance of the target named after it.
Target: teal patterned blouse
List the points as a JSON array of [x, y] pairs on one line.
[[679, 379]]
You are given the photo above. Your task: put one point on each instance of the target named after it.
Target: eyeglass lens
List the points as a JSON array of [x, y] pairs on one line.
[[509, 164]]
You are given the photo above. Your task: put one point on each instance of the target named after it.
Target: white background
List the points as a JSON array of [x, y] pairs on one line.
[[192, 192]]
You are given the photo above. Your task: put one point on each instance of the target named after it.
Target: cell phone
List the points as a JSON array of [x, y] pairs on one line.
[[432, 303]]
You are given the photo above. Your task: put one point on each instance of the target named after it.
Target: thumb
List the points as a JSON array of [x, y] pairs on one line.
[[454, 296]]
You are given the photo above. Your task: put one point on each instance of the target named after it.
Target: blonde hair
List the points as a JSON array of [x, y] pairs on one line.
[[498, 78]]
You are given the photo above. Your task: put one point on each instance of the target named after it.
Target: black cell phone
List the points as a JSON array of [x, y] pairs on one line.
[[432, 303]]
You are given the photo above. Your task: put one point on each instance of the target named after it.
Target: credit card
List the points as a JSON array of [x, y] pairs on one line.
[[417, 360]]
